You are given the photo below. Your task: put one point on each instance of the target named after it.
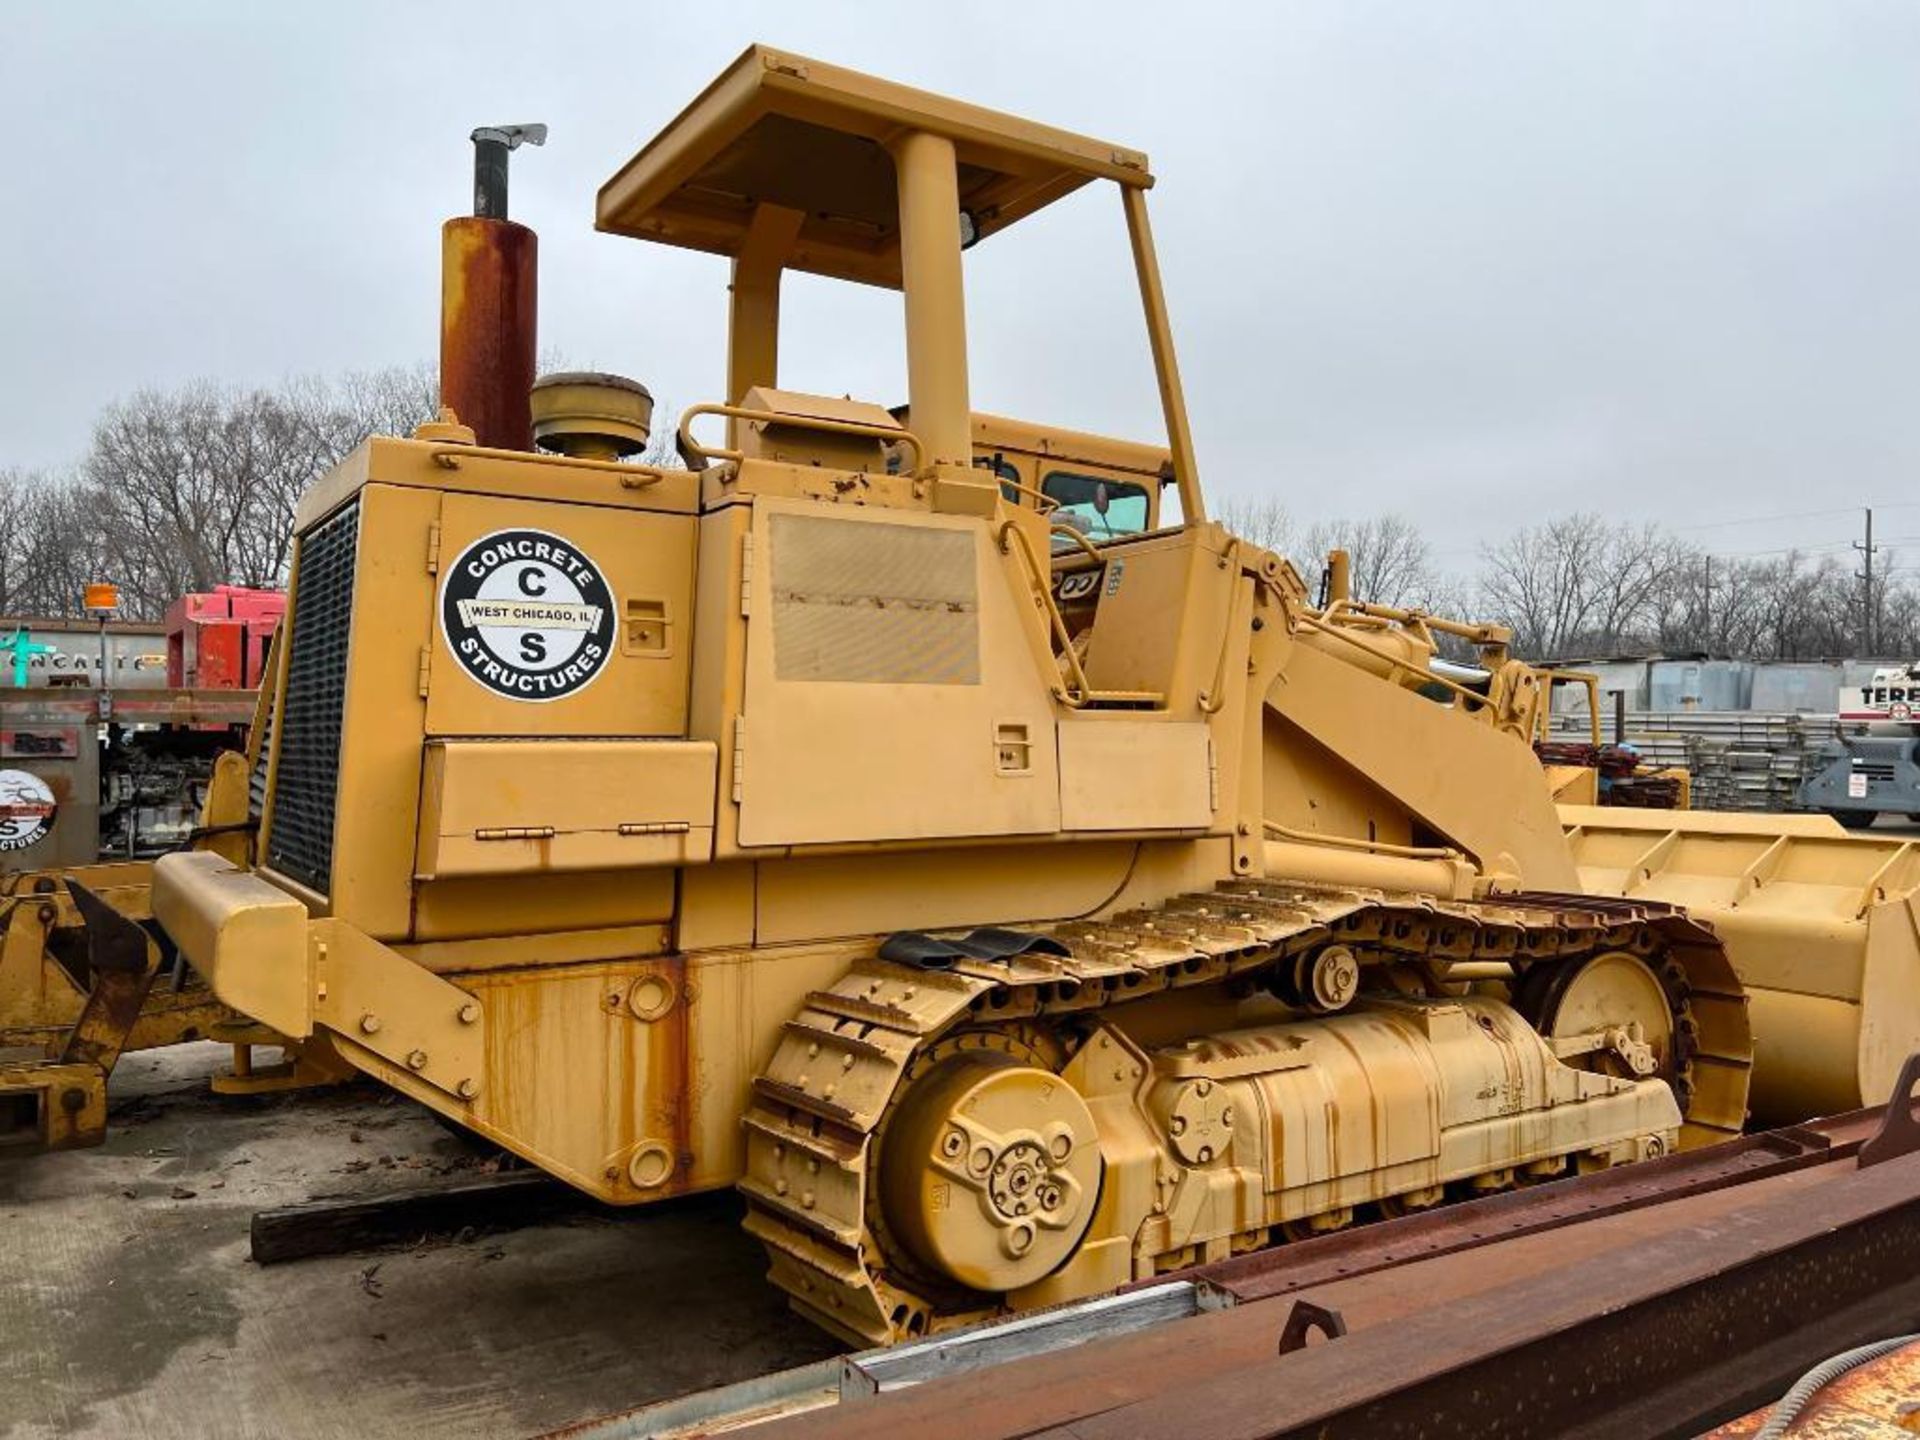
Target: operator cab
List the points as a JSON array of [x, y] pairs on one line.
[[1102, 488], [787, 164]]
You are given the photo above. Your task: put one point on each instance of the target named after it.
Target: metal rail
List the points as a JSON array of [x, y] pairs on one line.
[[1651, 1300], [891, 435], [1074, 691]]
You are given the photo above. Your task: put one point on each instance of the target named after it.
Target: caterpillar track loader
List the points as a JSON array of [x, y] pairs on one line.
[[1012, 888]]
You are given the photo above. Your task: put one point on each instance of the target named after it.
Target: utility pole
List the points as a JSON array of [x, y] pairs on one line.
[[1865, 576], [1706, 607]]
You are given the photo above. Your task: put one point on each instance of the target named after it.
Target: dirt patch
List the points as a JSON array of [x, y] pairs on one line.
[[128, 1304]]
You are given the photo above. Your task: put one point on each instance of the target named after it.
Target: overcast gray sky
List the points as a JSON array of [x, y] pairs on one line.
[[1477, 262]]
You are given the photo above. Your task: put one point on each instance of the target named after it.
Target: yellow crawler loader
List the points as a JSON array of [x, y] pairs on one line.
[[1013, 888]]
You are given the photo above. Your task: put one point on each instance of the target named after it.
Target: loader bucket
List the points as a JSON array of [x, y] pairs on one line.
[[1822, 927]]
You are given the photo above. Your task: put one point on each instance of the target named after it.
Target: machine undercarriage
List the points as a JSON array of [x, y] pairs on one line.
[[1097, 1103]]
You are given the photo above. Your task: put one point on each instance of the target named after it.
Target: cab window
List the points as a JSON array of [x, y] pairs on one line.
[[1098, 507]]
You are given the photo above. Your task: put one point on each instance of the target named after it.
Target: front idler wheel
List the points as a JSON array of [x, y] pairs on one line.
[[989, 1172]]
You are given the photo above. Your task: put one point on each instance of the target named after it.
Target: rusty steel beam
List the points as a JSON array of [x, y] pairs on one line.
[[1647, 1301], [1656, 1339]]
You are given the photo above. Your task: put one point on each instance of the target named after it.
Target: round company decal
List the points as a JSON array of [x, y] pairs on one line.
[[26, 809], [527, 614]]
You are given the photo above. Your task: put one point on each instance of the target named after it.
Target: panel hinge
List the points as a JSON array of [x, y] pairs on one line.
[[1213, 777], [746, 573], [426, 668], [739, 757], [656, 827], [433, 548], [515, 832]]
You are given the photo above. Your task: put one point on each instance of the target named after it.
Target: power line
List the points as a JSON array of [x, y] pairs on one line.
[[1798, 515], [1822, 548], [1763, 519]]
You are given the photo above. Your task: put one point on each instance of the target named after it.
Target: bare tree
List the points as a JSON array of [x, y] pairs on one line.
[[1390, 558], [1259, 520], [18, 490], [1579, 584], [663, 449], [187, 489], [55, 552]]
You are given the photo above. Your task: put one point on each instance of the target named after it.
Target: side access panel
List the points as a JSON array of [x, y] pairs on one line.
[[523, 583], [891, 693]]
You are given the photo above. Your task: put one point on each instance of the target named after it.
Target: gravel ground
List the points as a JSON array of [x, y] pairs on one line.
[[129, 1306]]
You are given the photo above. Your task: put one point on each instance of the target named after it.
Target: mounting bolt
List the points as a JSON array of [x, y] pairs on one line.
[[369, 1024], [416, 1059], [466, 1089], [470, 1013]]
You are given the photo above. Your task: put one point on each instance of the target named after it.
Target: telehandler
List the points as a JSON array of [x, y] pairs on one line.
[[1014, 888]]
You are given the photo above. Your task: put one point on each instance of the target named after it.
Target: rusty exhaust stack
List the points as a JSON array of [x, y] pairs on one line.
[[489, 268]]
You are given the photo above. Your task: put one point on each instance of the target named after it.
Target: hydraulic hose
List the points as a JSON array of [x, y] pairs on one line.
[[1783, 1415]]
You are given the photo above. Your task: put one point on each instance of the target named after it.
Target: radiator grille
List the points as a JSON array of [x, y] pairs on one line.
[[307, 778]]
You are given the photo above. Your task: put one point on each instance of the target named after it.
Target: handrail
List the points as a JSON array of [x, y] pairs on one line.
[[448, 457], [1215, 695], [1075, 695], [1079, 692], [1041, 498], [783, 417], [1543, 729], [1085, 544]]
